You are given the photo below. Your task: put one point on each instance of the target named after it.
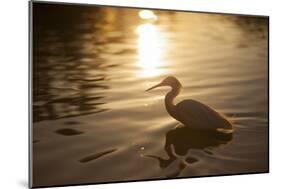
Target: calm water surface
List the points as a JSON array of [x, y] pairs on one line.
[[93, 120]]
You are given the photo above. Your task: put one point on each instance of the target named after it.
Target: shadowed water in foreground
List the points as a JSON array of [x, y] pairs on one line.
[[94, 122]]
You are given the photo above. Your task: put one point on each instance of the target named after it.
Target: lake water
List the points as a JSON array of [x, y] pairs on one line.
[[92, 119]]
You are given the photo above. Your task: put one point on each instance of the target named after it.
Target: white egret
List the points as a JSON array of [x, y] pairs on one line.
[[192, 113]]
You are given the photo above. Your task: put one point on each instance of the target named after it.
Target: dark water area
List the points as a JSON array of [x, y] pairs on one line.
[[94, 122]]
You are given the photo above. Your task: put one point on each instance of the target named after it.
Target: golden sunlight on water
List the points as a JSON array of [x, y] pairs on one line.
[[150, 53]]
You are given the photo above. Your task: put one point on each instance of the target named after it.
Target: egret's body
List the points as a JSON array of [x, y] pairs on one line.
[[192, 113]]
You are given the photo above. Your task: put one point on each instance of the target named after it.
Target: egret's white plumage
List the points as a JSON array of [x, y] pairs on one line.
[[192, 113]]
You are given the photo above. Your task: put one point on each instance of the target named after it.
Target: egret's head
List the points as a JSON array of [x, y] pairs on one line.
[[168, 81]]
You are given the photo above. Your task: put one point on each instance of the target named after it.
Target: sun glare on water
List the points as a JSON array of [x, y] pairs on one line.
[[147, 15], [149, 45], [150, 53]]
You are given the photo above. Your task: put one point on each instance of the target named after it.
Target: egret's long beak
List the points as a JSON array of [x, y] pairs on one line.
[[155, 86]]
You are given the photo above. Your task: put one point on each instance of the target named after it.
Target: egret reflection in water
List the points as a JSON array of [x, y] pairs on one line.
[[182, 139]]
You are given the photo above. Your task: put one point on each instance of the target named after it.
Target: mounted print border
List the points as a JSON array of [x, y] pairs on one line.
[[123, 94]]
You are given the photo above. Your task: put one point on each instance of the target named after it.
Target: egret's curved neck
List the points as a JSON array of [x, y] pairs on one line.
[[169, 101]]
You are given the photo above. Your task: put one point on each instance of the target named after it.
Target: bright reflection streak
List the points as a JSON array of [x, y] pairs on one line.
[[147, 15], [150, 50]]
